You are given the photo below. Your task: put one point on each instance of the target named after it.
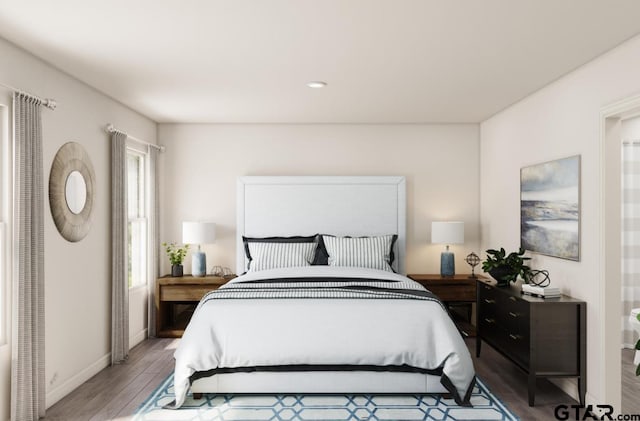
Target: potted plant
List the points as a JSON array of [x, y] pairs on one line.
[[638, 348], [504, 267], [176, 257]]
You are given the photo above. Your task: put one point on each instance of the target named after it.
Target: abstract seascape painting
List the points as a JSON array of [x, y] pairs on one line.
[[550, 208]]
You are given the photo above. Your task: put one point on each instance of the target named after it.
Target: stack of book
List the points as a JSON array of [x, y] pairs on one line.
[[542, 292]]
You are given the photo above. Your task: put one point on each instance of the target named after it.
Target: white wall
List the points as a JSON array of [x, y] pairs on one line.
[[202, 162], [561, 120], [630, 128], [77, 292]]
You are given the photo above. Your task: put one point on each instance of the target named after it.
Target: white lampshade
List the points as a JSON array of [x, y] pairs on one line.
[[198, 232], [447, 232]]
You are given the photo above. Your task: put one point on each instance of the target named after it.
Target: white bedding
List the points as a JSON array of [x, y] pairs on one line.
[[230, 333]]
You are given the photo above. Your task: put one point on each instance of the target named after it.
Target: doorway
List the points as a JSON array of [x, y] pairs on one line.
[[630, 280], [617, 250]]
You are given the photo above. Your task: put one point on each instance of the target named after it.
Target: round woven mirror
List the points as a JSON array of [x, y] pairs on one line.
[[71, 190]]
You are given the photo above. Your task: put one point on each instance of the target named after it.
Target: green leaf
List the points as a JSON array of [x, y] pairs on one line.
[[638, 345]]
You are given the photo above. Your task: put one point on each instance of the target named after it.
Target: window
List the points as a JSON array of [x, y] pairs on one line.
[[137, 217]]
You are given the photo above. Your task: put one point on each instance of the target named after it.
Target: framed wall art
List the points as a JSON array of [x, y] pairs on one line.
[[550, 208]]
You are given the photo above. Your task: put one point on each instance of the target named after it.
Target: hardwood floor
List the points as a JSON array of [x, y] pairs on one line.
[[630, 384], [116, 392]]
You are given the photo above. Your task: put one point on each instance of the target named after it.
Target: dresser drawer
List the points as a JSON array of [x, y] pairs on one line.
[[183, 293], [514, 315], [492, 332], [517, 346], [488, 298]]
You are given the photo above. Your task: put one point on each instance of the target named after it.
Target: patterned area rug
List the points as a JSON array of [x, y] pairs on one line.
[[322, 407]]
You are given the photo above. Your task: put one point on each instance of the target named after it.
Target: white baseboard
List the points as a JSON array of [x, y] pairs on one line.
[[71, 384], [137, 338], [74, 382]]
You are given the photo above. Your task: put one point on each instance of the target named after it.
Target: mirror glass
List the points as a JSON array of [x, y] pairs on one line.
[[75, 192]]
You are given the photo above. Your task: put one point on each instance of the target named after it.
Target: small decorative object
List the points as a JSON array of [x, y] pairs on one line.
[[198, 233], [550, 208], [176, 257], [506, 268], [539, 278], [217, 271], [541, 292], [472, 259], [447, 233]]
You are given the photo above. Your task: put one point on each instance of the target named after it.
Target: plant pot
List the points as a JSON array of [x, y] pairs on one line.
[[176, 270], [499, 273]]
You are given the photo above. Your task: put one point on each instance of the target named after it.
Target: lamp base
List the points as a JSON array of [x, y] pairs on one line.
[[198, 264], [447, 264]]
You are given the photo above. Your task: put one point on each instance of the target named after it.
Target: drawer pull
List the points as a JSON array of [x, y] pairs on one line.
[[490, 321], [513, 298], [512, 314], [486, 300], [515, 337]]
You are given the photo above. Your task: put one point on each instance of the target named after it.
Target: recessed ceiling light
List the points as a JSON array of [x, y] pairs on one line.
[[316, 84]]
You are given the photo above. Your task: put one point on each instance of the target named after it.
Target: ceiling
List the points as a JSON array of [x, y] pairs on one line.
[[408, 61]]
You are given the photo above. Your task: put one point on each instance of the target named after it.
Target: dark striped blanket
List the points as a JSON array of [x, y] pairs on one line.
[[322, 288]]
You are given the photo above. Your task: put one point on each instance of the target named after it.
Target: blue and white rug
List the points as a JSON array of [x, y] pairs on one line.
[[322, 407]]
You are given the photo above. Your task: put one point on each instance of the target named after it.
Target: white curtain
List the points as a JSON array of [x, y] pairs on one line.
[[154, 234], [630, 237], [119, 274], [27, 368]]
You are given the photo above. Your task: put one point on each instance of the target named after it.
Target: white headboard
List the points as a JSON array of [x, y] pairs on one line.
[[356, 206]]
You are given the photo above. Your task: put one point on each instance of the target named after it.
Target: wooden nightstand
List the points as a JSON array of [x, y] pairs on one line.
[[454, 291], [176, 299]]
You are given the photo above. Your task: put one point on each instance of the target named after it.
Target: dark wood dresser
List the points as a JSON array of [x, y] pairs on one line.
[[544, 337]]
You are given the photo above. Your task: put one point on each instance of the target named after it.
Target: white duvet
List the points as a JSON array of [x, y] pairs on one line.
[[229, 333]]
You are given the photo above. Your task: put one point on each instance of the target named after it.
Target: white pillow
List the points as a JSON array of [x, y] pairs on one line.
[[280, 255], [364, 252]]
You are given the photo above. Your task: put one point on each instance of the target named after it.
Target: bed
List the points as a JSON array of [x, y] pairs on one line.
[[333, 326]]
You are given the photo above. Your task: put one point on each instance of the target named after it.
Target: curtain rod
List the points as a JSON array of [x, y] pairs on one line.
[[111, 129], [47, 102]]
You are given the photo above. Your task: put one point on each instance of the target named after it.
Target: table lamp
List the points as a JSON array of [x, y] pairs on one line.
[[447, 233], [198, 233]]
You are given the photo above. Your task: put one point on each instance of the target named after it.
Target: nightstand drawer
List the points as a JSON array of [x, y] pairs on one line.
[[183, 292], [452, 293]]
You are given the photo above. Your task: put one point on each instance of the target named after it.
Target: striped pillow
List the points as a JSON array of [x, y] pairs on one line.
[[364, 252], [280, 255]]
